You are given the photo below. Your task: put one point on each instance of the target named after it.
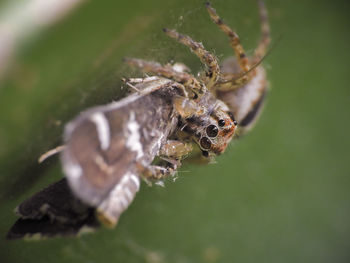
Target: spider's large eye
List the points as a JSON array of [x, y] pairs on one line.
[[205, 143], [212, 130], [221, 123]]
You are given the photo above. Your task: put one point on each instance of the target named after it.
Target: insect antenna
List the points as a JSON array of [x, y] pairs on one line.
[[51, 152]]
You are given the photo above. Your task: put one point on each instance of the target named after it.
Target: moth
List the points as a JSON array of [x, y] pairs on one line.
[[104, 149], [107, 149]]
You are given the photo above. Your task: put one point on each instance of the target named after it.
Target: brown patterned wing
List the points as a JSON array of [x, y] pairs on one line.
[[106, 143]]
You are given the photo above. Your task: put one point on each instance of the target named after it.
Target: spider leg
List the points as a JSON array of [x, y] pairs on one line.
[[175, 149], [234, 38], [265, 32], [172, 151], [167, 71], [187, 107], [236, 80], [198, 49], [156, 172]]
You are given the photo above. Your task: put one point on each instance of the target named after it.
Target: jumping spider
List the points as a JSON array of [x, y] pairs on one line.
[[228, 95]]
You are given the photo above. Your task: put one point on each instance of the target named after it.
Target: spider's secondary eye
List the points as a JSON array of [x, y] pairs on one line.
[[231, 115], [232, 118], [212, 131], [221, 122], [205, 143]]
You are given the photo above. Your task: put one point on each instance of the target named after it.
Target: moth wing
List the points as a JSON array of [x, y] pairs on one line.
[[106, 143], [51, 212], [96, 154]]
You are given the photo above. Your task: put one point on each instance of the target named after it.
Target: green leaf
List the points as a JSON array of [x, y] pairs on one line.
[[280, 194]]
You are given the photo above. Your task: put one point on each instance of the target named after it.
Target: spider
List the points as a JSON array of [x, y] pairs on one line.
[[239, 82]]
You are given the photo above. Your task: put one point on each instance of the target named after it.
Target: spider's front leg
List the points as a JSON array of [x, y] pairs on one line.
[[172, 152], [247, 68], [231, 81], [187, 107], [234, 38], [157, 172], [265, 38], [205, 56], [168, 71]]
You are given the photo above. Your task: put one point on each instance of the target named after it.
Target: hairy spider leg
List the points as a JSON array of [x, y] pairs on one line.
[[208, 59], [167, 71], [173, 150], [237, 80], [239, 51], [265, 32], [234, 38], [156, 172]]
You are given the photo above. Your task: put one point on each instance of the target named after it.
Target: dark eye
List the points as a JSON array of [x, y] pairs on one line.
[[232, 118], [212, 131], [205, 143], [231, 115], [205, 153], [221, 122]]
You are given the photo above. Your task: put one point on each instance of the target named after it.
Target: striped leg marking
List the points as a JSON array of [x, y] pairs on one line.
[[198, 49]]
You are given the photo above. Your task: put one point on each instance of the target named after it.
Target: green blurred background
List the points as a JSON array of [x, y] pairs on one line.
[[280, 194]]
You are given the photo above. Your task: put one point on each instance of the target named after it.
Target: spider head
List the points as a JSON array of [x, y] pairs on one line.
[[213, 131], [216, 136]]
